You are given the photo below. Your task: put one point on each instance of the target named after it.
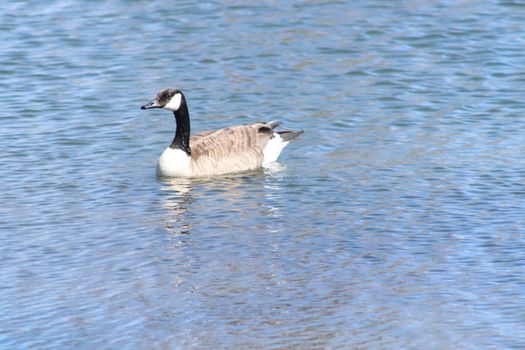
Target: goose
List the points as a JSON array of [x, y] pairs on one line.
[[229, 150]]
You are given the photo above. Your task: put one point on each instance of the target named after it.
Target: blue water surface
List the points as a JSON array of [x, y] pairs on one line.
[[396, 221]]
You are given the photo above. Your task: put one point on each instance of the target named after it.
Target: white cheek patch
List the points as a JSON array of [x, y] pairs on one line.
[[174, 103]]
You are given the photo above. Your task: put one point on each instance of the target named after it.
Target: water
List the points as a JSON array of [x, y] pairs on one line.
[[396, 221]]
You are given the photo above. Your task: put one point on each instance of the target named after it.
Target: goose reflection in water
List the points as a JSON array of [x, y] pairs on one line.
[[227, 192], [177, 203]]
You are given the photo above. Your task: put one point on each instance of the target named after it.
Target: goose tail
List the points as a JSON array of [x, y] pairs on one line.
[[289, 134], [276, 144]]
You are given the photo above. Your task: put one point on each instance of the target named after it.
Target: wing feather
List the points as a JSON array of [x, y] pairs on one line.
[[231, 149]]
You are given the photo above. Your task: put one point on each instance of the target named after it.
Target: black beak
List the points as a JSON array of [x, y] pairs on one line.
[[150, 105]]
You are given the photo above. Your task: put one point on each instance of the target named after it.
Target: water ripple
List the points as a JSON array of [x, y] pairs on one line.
[[394, 222]]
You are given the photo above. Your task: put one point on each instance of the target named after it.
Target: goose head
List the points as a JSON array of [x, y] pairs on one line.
[[170, 99]]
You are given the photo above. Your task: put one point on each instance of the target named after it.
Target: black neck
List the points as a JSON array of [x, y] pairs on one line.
[[182, 135]]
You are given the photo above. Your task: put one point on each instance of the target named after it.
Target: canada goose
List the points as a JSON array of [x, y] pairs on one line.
[[229, 150]]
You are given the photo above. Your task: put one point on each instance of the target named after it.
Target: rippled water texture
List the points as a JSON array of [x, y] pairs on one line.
[[396, 221]]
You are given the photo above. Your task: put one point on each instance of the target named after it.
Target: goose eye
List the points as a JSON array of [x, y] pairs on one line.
[[164, 96]]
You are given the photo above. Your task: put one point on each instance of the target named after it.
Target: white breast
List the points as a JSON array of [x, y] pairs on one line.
[[174, 162]]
